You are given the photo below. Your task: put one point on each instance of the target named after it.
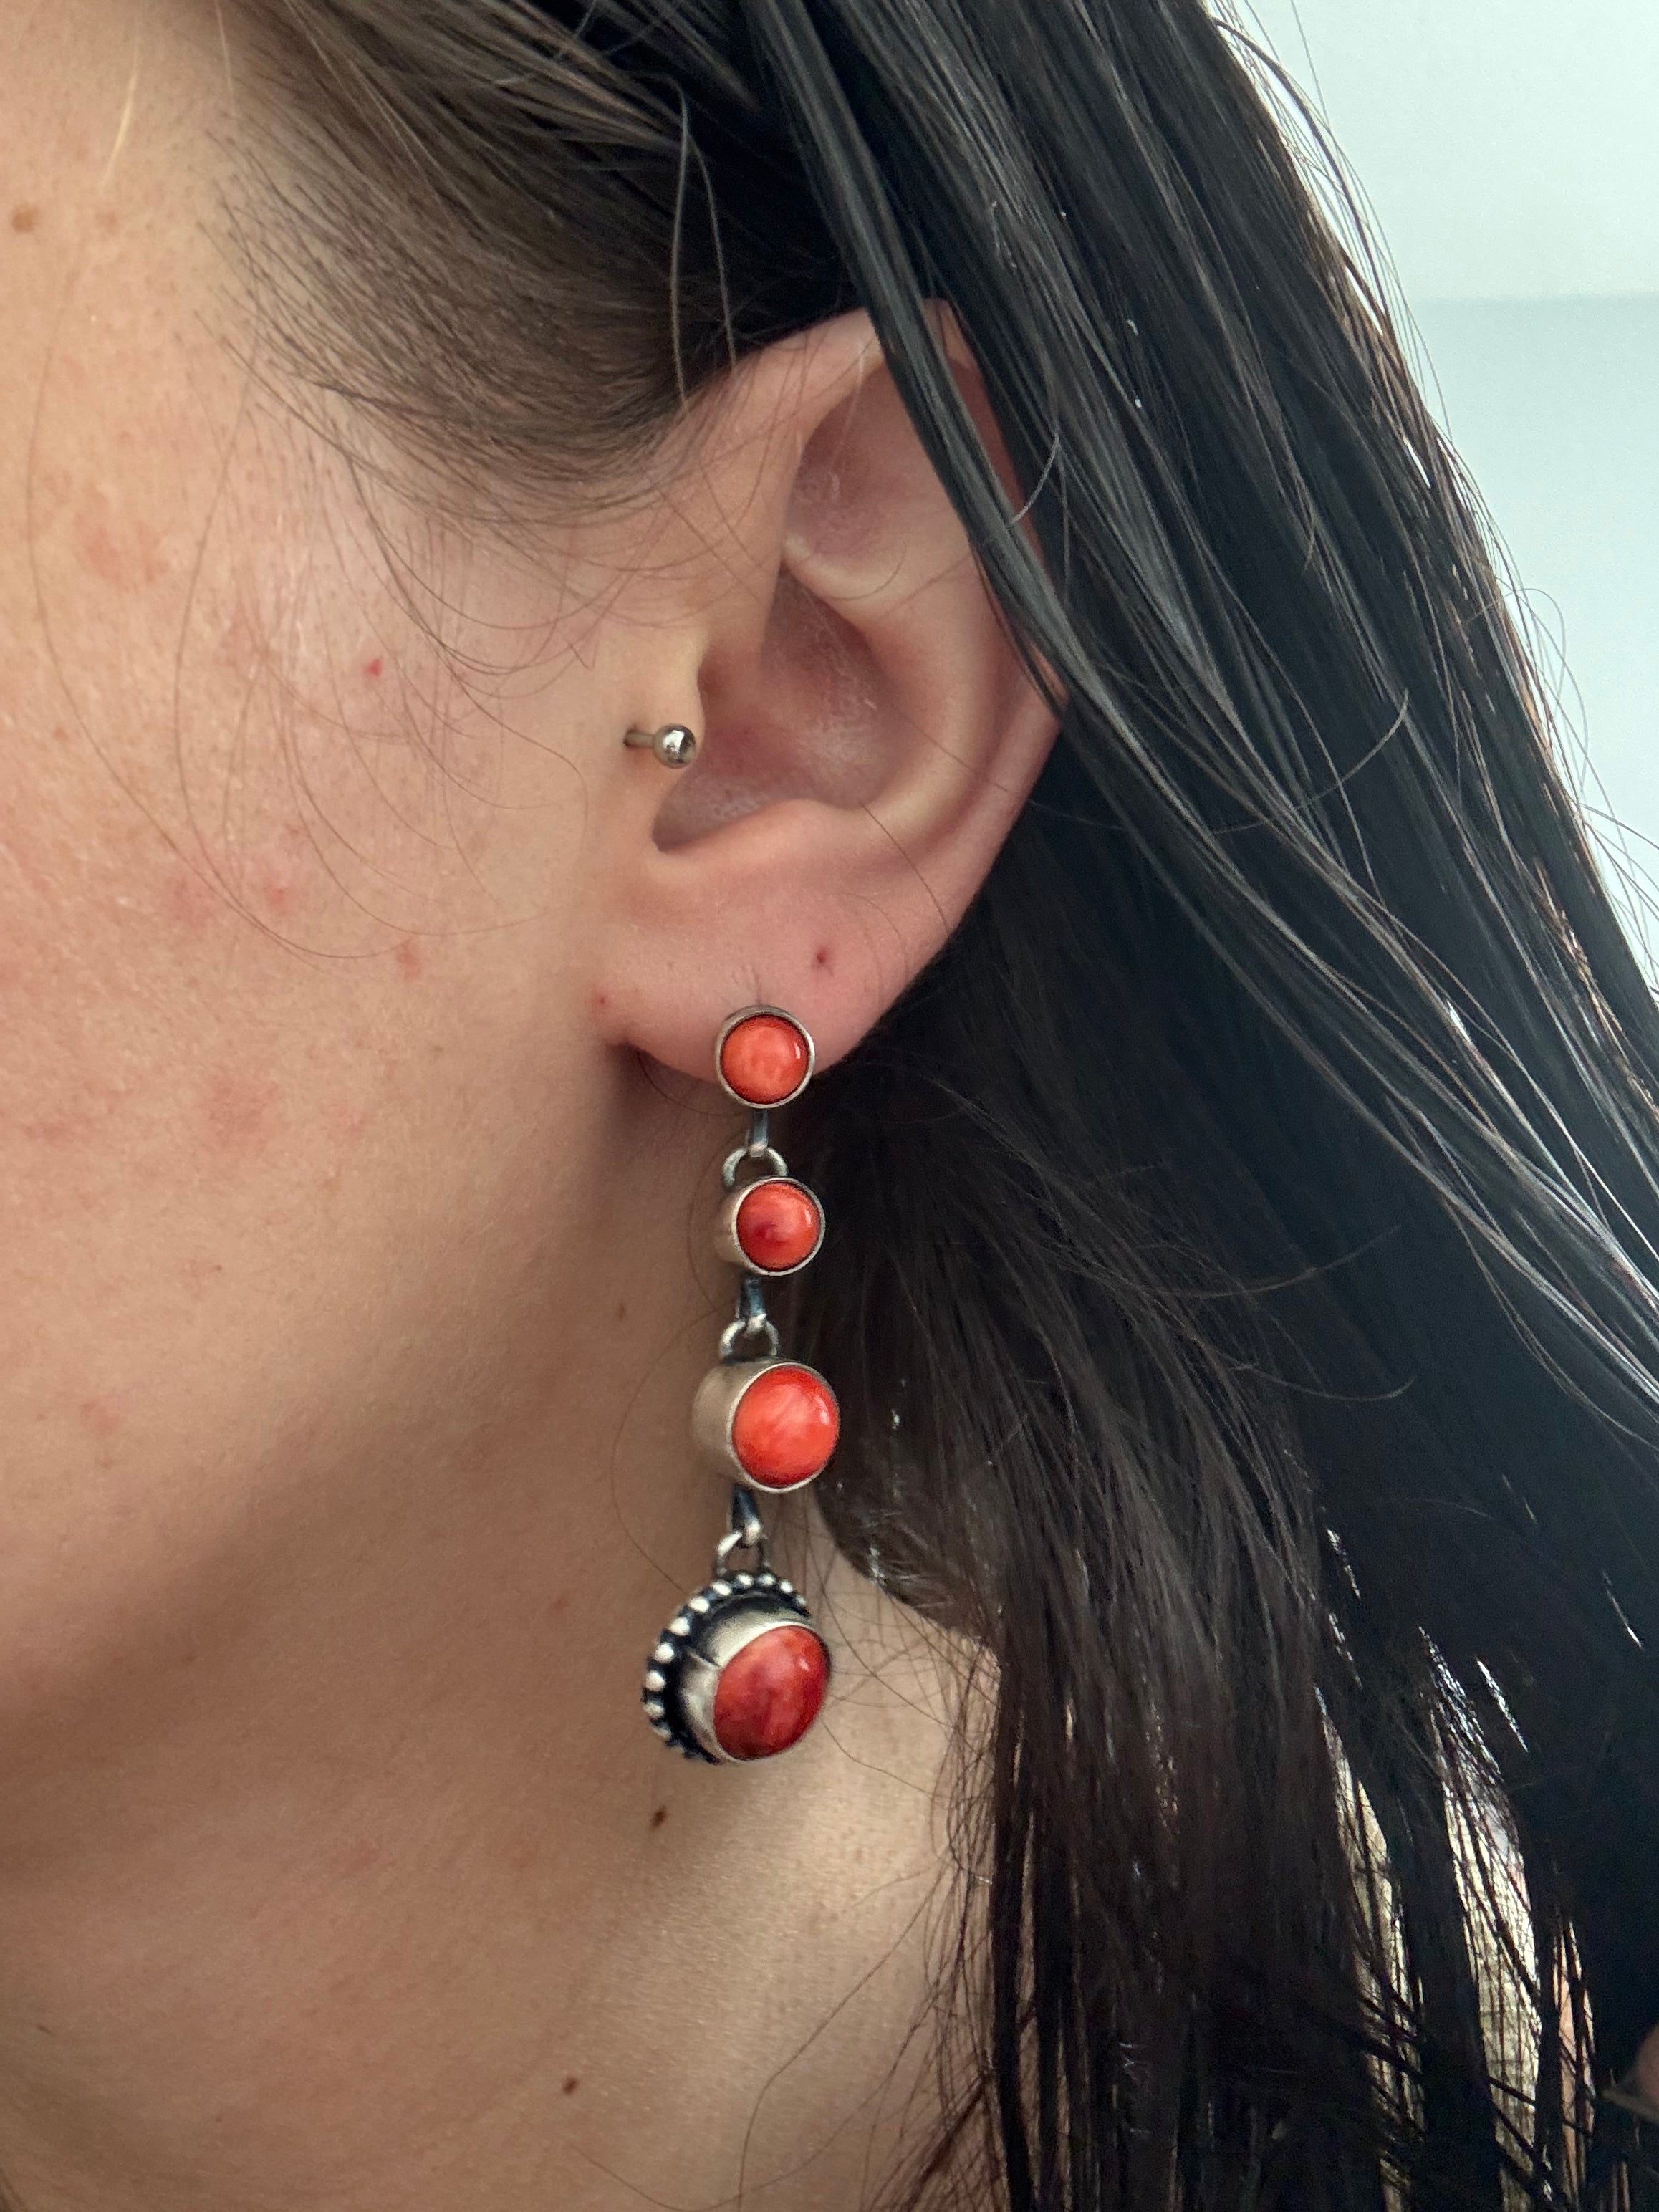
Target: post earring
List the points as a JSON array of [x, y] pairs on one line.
[[741, 1672], [674, 746]]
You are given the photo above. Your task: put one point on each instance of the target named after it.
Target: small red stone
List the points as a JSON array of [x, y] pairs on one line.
[[778, 1225], [771, 1693], [765, 1060], [785, 1426]]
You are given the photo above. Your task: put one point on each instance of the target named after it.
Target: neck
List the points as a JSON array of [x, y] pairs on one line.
[[344, 1874]]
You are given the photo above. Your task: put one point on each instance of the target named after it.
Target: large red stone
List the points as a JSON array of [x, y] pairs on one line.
[[771, 1693], [785, 1426], [765, 1060], [778, 1225]]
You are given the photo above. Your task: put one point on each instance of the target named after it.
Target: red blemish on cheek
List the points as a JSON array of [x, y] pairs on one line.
[[125, 551], [190, 901], [101, 1417], [275, 890], [60, 1129], [237, 1112], [411, 959], [375, 667], [82, 1123], [276, 878], [358, 1857]]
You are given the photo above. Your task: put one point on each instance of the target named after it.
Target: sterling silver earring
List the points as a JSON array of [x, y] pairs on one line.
[[740, 1673], [674, 746]]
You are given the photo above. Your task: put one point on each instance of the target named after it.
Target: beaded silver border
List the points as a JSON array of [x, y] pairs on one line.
[[660, 1694]]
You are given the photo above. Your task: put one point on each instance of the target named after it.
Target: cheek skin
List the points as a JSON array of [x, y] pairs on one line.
[[261, 858]]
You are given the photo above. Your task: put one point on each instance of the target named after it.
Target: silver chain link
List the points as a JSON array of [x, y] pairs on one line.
[[747, 1533]]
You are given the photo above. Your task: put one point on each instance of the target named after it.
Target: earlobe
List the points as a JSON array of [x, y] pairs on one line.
[[869, 733]]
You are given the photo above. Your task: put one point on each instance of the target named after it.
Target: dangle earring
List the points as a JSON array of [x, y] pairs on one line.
[[741, 1672]]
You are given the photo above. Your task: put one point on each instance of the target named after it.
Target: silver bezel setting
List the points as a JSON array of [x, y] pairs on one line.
[[709, 1630], [726, 1246], [714, 1413], [749, 1014]]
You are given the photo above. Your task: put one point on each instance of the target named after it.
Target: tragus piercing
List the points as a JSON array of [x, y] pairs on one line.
[[741, 1672], [674, 746]]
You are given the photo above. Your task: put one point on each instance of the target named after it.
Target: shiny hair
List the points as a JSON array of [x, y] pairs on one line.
[[1244, 1291]]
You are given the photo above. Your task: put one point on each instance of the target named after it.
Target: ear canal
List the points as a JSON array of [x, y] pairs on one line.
[[805, 724]]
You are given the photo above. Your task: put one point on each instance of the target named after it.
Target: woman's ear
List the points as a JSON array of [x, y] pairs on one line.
[[868, 732]]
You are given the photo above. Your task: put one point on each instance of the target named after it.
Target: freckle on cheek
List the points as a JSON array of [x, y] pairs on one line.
[[25, 218]]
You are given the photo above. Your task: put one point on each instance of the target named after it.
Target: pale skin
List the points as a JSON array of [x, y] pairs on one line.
[[356, 1157], [357, 1153]]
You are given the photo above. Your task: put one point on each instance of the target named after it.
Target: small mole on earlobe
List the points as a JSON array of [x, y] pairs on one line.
[[25, 218], [572, 2083], [660, 1816]]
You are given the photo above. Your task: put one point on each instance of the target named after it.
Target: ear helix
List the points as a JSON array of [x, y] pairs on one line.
[[740, 1673]]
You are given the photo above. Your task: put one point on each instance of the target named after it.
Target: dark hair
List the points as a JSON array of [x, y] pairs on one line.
[[1244, 1296]]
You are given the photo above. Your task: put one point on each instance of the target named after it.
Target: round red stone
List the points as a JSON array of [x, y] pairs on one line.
[[778, 1225], [770, 1694], [785, 1428], [765, 1060]]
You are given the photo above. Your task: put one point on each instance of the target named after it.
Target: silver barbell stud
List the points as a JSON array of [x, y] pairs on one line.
[[674, 746]]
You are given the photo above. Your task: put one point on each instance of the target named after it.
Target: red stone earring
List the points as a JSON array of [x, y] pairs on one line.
[[741, 1672]]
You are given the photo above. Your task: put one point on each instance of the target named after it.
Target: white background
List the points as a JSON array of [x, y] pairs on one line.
[[1509, 152], [1509, 147]]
